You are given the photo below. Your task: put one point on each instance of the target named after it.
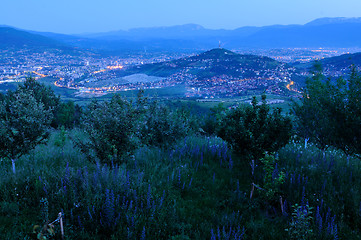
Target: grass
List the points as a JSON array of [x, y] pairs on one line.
[[197, 189]]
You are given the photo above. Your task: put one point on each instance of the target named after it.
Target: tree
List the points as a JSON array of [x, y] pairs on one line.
[[42, 94], [330, 112], [213, 119], [24, 124], [162, 126], [112, 128], [252, 130], [68, 114]]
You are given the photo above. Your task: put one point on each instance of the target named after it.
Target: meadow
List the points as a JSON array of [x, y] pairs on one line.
[[198, 189], [144, 169]]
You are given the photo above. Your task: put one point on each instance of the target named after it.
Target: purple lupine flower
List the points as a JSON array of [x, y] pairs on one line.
[[230, 163], [213, 237], [116, 221], [318, 219], [132, 222], [190, 183], [238, 190], [148, 197], [285, 207], [79, 222], [299, 179], [335, 234], [129, 233], [321, 203], [45, 190], [179, 178], [90, 215], [67, 171], [154, 205], [162, 199], [328, 215], [109, 207], [127, 180], [143, 234]]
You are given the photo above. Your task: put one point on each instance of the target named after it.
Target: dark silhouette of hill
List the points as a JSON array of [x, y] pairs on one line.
[[343, 61], [13, 38], [337, 63], [213, 63]]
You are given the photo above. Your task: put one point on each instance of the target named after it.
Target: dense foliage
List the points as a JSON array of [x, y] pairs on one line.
[[330, 112], [162, 126], [252, 130], [24, 123], [118, 127], [112, 128], [42, 94], [155, 174]]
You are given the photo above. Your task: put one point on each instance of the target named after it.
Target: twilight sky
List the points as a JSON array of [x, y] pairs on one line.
[[81, 16]]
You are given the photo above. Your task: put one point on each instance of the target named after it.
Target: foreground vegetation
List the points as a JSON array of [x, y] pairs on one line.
[[142, 170]]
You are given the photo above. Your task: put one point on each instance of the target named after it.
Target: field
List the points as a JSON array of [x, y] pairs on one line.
[[197, 190]]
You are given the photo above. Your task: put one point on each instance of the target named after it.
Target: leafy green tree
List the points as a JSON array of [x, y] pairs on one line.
[[42, 94], [252, 130], [24, 124], [213, 119], [162, 126], [330, 112], [68, 114], [352, 133], [272, 181], [112, 129], [300, 227]]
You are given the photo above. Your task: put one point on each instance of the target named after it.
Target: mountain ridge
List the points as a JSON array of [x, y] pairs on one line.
[[324, 32]]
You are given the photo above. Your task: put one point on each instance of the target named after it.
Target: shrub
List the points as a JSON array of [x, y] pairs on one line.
[[24, 123], [330, 112], [252, 130], [162, 126], [300, 226], [112, 128]]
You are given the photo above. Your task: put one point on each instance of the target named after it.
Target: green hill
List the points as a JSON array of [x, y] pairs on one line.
[[13, 38], [213, 63], [337, 63]]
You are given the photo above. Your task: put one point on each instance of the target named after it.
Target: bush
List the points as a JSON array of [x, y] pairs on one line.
[[252, 130], [112, 129], [42, 94], [330, 112], [24, 123], [162, 126]]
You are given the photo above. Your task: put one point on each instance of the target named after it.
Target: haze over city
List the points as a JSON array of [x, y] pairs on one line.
[[71, 17]]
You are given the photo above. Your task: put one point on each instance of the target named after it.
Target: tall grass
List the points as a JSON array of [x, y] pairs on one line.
[[329, 182], [198, 189]]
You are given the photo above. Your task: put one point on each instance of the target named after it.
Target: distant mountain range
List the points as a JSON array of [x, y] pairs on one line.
[[324, 32], [13, 38]]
